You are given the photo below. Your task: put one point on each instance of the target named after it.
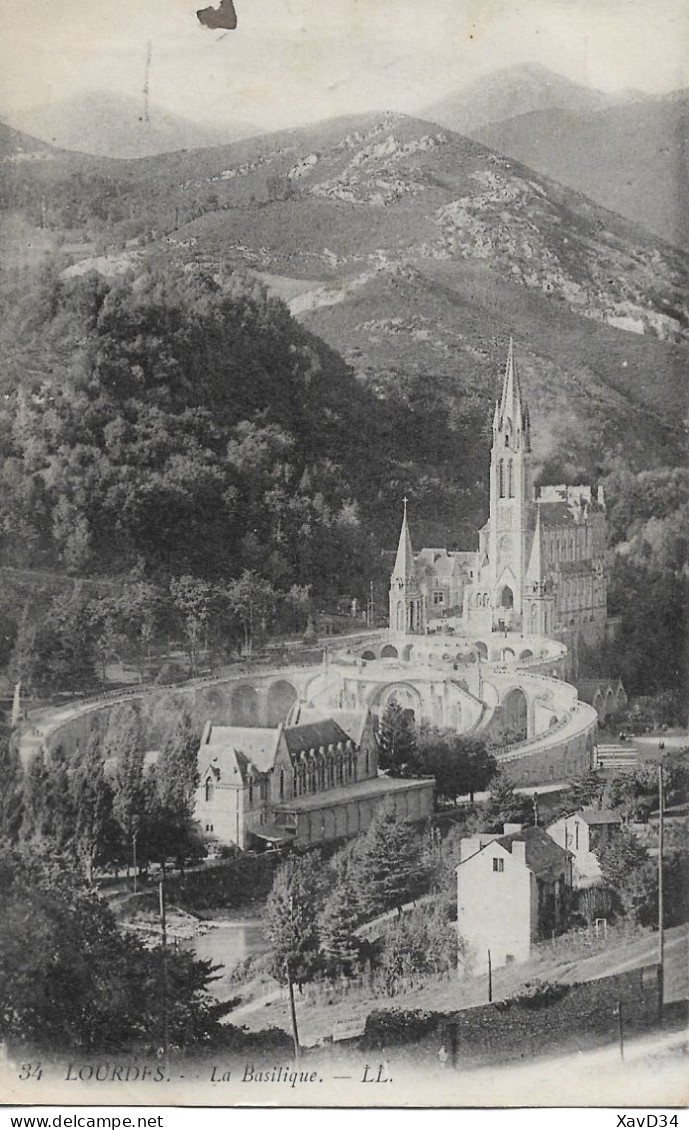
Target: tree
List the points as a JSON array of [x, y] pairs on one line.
[[386, 866], [620, 856], [123, 751], [397, 741], [170, 788], [95, 838], [60, 656], [459, 764], [70, 980], [251, 599], [291, 919], [34, 797], [193, 600], [586, 790], [11, 788], [505, 805], [338, 920]]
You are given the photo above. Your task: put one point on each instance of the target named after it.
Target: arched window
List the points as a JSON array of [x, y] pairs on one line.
[[501, 476], [282, 784], [367, 763], [251, 790], [510, 482], [209, 790]]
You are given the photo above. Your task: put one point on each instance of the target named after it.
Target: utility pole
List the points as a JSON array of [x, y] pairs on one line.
[[293, 1014], [661, 927], [369, 610], [163, 955], [134, 835], [620, 1028], [490, 980]]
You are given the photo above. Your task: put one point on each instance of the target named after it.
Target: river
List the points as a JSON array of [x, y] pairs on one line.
[[226, 944]]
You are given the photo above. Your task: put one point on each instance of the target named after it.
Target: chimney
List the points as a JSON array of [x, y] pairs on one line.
[[510, 829], [519, 851]]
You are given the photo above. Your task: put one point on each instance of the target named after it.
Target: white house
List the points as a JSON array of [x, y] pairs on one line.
[[584, 834], [512, 890]]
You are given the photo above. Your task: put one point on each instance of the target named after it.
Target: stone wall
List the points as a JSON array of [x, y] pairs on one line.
[[583, 1016]]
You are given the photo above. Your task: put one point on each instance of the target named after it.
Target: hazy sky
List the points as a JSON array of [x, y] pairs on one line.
[[290, 61]]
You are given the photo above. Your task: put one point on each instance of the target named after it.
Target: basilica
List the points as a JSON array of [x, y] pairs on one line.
[[540, 567]]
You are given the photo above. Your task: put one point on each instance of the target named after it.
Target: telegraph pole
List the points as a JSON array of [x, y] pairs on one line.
[[163, 938], [293, 1014], [661, 926]]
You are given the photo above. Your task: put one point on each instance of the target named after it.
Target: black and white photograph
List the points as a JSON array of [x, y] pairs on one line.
[[344, 555]]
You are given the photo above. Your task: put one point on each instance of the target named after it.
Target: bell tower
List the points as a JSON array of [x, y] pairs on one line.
[[511, 498], [407, 602]]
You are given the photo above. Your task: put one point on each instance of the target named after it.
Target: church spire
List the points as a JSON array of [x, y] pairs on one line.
[[404, 562], [513, 408]]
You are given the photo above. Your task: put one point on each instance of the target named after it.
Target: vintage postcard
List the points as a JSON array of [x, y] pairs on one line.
[[344, 757]]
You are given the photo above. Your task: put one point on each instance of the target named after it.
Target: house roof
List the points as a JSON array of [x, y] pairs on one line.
[[353, 722], [600, 816], [313, 735], [231, 748], [542, 852]]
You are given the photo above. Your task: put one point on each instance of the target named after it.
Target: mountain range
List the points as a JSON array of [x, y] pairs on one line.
[[508, 92], [107, 124], [633, 158], [416, 252]]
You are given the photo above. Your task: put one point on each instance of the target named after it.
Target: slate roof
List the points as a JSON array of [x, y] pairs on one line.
[[313, 735], [353, 722], [600, 816], [231, 748], [542, 852]]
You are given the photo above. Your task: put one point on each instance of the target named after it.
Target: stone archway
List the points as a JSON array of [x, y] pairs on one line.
[[527, 653], [481, 649], [404, 694], [368, 655], [507, 655], [244, 709], [515, 715], [389, 652], [281, 697]]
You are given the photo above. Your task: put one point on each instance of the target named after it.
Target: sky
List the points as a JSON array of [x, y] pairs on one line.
[[292, 61]]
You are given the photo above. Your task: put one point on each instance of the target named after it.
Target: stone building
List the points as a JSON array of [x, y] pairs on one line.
[[540, 568], [585, 834], [305, 783], [512, 890]]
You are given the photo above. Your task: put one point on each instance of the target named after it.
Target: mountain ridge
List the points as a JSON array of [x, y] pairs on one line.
[[107, 124]]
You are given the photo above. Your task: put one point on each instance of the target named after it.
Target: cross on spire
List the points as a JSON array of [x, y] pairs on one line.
[[405, 500]]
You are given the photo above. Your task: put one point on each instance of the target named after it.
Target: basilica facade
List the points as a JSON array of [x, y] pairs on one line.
[[540, 567]]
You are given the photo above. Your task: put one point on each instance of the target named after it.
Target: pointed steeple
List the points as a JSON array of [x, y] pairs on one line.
[[513, 407], [404, 562], [534, 573]]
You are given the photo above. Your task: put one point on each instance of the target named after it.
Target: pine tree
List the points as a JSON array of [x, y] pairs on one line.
[[397, 741], [291, 919], [337, 925], [506, 806], [387, 865]]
